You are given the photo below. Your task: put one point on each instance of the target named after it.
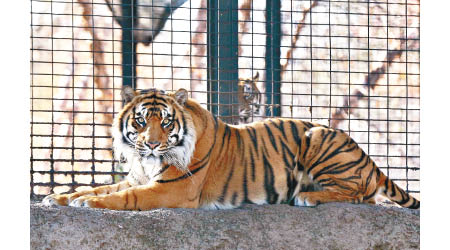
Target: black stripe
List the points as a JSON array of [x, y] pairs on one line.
[[184, 124], [347, 166], [225, 187], [367, 197], [185, 175], [393, 193], [308, 124], [308, 142], [279, 127], [238, 139], [162, 170], [360, 169], [205, 161], [154, 103], [294, 132], [415, 205], [124, 139], [291, 184], [216, 124], [252, 133], [286, 152], [245, 186], [386, 185], [323, 170], [174, 114], [368, 179], [333, 169], [334, 183], [225, 133], [121, 124], [333, 135], [135, 199], [229, 137], [233, 199], [405, 197], [378, 174], [252, 164], [272, 195], [155, 97], [177, 122], [332, 154], [271, 138], [287, 163], [300, 166], [325, 137]]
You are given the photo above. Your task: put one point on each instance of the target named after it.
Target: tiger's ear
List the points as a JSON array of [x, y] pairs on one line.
[[128, 94], [256, 77], [181, 96]]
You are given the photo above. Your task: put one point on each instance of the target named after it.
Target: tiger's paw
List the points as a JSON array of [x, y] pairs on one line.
[[85, 201], [55, 200], [302, 201]]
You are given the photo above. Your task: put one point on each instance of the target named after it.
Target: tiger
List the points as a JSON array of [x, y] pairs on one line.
[[181, 156], [249, 96]]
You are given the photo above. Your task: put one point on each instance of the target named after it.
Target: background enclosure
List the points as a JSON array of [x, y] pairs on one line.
[[353, 65]]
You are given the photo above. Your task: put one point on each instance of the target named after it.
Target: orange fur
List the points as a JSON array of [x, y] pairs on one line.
[[274, 161]]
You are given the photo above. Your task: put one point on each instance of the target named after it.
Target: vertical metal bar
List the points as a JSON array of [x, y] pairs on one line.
[[273, 67], [212, 55], [223, 59], [32, 194], [407, 96], [93, 98], [368, 78], [52, 145], [387, 93], [228, 60], [72, 163], [128, 44]]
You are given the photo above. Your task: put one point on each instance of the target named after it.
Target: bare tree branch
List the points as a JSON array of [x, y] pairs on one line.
[[199, 46], [97, 49], [245, 10], [294, 40], [371, 81]]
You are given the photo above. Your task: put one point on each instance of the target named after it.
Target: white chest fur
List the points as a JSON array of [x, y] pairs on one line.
[[143, 171]]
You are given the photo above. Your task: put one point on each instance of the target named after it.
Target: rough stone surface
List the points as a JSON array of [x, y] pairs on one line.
[[327, 226]]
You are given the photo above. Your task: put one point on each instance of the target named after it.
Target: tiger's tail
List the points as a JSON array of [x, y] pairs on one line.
[[396, 194]]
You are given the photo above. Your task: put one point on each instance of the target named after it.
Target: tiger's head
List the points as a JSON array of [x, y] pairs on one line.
[[248, 88], [155, 128]]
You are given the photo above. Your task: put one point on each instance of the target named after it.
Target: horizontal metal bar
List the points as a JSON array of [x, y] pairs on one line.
[[79, 173], [241, 44], [331, 1], [72, 160]]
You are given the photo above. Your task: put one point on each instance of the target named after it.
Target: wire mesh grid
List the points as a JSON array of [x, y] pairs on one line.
[[352, 65]]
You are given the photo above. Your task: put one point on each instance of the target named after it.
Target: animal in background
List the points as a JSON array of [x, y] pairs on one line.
[[151, 16], [249, 98]]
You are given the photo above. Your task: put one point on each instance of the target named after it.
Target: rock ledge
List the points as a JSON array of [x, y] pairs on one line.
[[327, 226]]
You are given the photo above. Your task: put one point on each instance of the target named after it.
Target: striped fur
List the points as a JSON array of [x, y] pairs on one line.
[[201, 162], [249, 98]]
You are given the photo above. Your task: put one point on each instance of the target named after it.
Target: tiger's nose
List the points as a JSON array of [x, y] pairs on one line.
[[152, 144]]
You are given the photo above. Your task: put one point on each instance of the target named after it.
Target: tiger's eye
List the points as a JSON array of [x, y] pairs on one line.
[[140, 120], [165, 122]]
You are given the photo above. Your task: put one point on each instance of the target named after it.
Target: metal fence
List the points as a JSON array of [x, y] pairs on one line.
[[353, 65]]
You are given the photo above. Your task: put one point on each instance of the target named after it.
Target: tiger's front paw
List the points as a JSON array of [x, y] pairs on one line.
[[85, 201], [304, 201], [55, 200]]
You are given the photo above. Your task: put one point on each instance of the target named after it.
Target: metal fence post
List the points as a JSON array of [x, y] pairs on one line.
[[223, 59], [129, 58], [273, 67]]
